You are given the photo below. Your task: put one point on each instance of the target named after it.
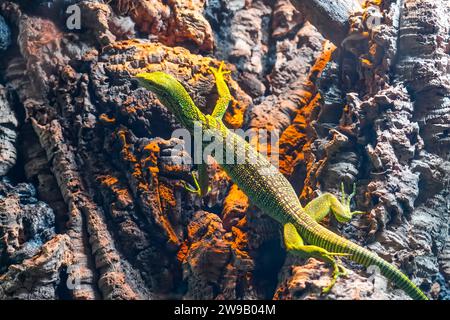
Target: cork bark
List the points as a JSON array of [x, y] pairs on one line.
[[92, 197]]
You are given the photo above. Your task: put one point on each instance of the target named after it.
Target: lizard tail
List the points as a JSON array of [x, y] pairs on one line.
[[316, 234], [367, 258]]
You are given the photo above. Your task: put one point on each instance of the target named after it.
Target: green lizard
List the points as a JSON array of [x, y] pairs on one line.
[[268, 189]]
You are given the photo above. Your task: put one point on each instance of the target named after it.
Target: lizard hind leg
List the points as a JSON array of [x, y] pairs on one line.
[[319, 207], [294, 244], [222, 89]]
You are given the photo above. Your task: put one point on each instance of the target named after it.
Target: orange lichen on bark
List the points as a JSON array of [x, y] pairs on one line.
[[129, 105], [173, 22], [107, 180], [206, 253], [182, 253], [239, 245], [122, 194], [235, 206], [151, 161], [372, 2], [106, 119], [129, 157], [149, 187], [294, 141], [167, 196], [322, 60], [240, 239], [366, 63], [127, 154], [162, 217], [235, 114]]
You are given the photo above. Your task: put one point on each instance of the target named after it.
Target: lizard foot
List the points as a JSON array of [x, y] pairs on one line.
[[345, 200], [219, 72], [338, 271], [198, 189], [294, 244]]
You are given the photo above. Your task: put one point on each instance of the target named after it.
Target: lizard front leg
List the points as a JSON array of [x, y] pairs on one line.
[[222, 89], [322, 205], [201, 183], [294, 244]]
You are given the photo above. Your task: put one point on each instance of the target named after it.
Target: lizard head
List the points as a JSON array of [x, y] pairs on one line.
[[163, 85], [172, 95]]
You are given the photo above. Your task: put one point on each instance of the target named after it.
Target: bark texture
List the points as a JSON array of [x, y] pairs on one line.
[[92, 198]]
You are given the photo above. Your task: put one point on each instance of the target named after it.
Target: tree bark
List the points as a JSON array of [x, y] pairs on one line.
[[330, 17], [92, 203]]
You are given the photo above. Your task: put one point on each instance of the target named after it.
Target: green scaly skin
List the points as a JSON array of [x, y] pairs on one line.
[[268, 189]]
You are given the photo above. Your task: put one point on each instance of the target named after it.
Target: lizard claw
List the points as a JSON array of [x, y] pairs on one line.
[[192, 190], [220, 71], [188, 188], [345, 201], [338, 271], [198, 189]]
